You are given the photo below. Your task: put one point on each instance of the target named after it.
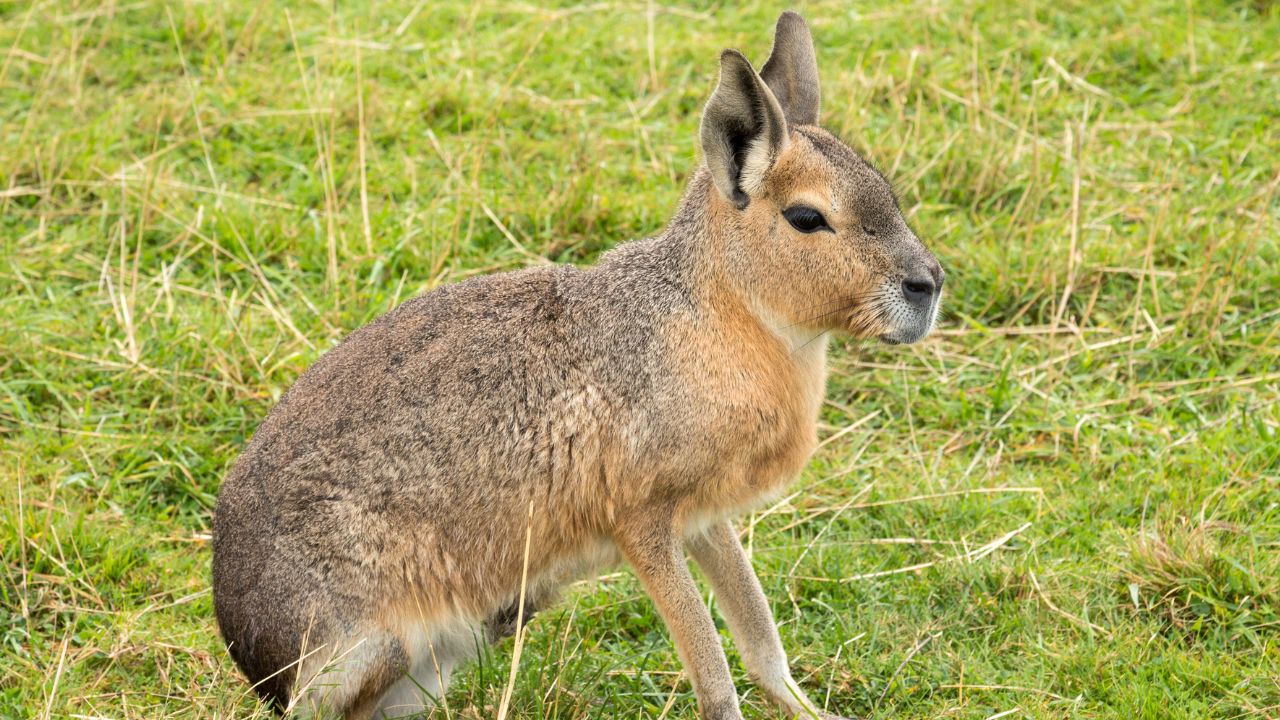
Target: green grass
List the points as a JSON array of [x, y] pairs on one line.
[[1082, 466]]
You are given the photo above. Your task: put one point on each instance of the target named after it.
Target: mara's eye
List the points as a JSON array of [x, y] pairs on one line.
[[805, 219], [868, 230]]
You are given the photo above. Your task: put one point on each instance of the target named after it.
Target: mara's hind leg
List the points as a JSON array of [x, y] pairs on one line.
[[435, 654], [417, 691], [350, 679]]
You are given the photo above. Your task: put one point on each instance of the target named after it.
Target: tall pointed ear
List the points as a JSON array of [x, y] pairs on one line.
[[743, 130], [792, 70]]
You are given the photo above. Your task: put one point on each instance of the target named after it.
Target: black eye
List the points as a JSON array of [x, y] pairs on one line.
[[805, 219]]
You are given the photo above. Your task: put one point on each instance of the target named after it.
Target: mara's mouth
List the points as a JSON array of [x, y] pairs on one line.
[[889, 318], [909, 325]]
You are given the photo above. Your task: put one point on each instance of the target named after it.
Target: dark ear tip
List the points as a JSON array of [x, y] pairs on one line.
[[730, 56], [791, 18]]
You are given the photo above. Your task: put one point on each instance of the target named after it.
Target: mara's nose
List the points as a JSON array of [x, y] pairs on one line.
[[919, 291], [920, 287]]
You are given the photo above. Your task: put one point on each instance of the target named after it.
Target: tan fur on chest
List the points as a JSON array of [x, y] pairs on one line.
[[756, 408]]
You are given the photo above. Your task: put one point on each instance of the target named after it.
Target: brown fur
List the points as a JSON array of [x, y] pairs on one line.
[[375, 526]]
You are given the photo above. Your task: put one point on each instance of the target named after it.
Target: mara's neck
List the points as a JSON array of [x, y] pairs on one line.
[[699, 234]]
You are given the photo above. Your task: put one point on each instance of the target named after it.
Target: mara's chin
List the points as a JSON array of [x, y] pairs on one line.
[[907, 335], [896, 338]]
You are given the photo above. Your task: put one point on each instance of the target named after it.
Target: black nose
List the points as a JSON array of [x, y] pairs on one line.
[[919, 291]]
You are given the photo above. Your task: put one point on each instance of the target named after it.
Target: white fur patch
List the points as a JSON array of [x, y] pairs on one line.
[[434, 652], [759, 159]]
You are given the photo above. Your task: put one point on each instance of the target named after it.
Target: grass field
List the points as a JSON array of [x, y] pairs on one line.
[[1066, 504]]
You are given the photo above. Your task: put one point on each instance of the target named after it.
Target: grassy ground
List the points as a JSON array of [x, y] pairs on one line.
[[1065, 505]]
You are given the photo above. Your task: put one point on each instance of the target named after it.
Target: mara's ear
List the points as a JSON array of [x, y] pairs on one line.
[[743, 130], [792, 70]]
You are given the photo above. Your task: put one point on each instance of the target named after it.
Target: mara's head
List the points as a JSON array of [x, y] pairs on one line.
[[811, 230]]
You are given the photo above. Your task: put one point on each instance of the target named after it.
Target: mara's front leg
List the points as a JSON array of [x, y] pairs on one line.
[[721, 556], [653, 547]]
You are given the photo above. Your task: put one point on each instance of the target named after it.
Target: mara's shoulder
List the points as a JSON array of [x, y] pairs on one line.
[[653, 273]]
